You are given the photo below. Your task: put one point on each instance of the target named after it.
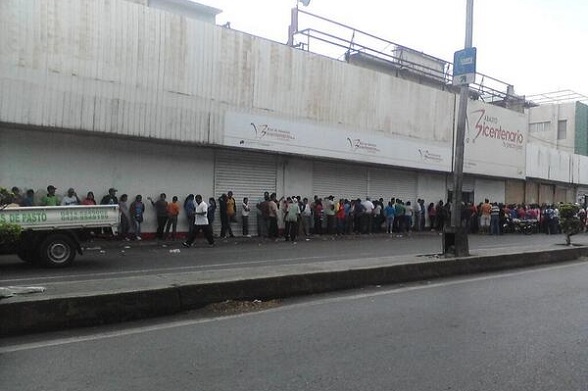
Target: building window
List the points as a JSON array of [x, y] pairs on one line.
[[539, 127], [562, 127]]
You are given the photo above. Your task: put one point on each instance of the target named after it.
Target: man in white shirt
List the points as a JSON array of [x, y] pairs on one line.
[[200, 223], [368, 216], [71, 198]]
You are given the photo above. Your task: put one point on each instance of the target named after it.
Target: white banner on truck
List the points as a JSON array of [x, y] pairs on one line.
[[61, 217]]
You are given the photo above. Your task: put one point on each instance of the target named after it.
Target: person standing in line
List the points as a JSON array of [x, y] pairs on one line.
[[432, 212], [329, 212], [110, 198], [16, 196], [390, 213], [200, 223], [318, 216], [273, 217], [245, 209], [485, 212], [211, 213], [173, 211], [51, 198], [291, 219], [71, 198], [408, 214], [263, 216], [231, 209], [494, 219], [224, 216], [137, 209], [423, 215], [161, 212], [306, 212], [368, 216], [189, 210], [125, 217], [29, 198], [89, 200]]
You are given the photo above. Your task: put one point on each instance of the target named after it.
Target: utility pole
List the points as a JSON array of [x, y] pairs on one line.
[[455, 239]]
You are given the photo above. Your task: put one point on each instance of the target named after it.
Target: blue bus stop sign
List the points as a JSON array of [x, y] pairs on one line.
[[464, 66]]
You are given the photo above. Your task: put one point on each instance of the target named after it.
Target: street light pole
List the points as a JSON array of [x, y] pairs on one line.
[[457, 231]]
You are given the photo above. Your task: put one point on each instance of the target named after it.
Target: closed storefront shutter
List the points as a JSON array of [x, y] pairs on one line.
[[431, 188], [246, 175], [494, 191], [531, 192], [340, 180], [545, 194], [515, 192], [562, 194], [467, 188], [388, 183]]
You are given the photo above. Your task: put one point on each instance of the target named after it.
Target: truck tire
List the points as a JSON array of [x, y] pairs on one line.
[[57, 250]]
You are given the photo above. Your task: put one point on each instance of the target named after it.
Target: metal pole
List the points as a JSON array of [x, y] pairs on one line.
[[461, 242]]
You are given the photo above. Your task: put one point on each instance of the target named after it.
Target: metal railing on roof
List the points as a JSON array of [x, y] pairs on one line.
[[362, 48], [556, 97]]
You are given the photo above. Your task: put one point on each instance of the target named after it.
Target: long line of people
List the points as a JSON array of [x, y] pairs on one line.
[[498, 218], [289, 217]]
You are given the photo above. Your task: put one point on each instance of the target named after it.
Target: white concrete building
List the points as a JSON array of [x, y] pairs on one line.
[[113, 93]]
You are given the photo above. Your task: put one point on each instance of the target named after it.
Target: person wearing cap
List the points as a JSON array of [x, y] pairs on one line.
[[51, 198], [110, 198], [71, 198]]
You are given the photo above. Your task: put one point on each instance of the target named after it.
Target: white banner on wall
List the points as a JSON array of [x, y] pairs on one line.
[[496, 140], [277, 135]]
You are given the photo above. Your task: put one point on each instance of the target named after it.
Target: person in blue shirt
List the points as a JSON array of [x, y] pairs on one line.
[[390, 213]]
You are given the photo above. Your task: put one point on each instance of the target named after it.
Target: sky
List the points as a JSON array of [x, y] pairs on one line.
[[536, 45]]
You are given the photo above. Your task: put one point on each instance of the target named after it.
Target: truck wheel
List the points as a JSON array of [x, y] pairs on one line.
[[57, 251]]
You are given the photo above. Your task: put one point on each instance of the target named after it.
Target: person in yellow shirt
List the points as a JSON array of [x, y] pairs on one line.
[[173, 210]]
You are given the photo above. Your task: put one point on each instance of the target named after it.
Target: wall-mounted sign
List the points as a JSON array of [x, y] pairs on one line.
[[464, 66]]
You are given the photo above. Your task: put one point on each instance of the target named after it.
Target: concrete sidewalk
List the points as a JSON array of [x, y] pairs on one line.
[[93, 302]]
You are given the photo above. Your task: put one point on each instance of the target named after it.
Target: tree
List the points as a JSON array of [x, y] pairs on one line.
[[6, 197], [9, 233], [569, 221]]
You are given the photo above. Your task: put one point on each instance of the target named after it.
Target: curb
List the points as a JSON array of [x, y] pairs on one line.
[[36, 315]]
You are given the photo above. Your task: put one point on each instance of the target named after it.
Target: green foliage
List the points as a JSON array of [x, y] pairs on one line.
[[569, 221], [9, 233], [6, 197]]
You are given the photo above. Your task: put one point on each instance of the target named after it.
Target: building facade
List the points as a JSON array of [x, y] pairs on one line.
[[113, 93]]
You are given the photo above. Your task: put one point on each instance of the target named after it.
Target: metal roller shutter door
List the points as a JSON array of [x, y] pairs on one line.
[[545, 194], [531, 192], [388, 183], [432, 188], [563, 194], [494, 191], [246, 175], [467, 186], [515, 192], [340, 180]]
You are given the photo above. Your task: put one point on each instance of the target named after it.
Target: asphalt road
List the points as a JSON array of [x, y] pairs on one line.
[[524, 330], [115, 259]]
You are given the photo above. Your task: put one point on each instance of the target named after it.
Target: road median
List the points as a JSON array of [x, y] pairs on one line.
[[95, 302]]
